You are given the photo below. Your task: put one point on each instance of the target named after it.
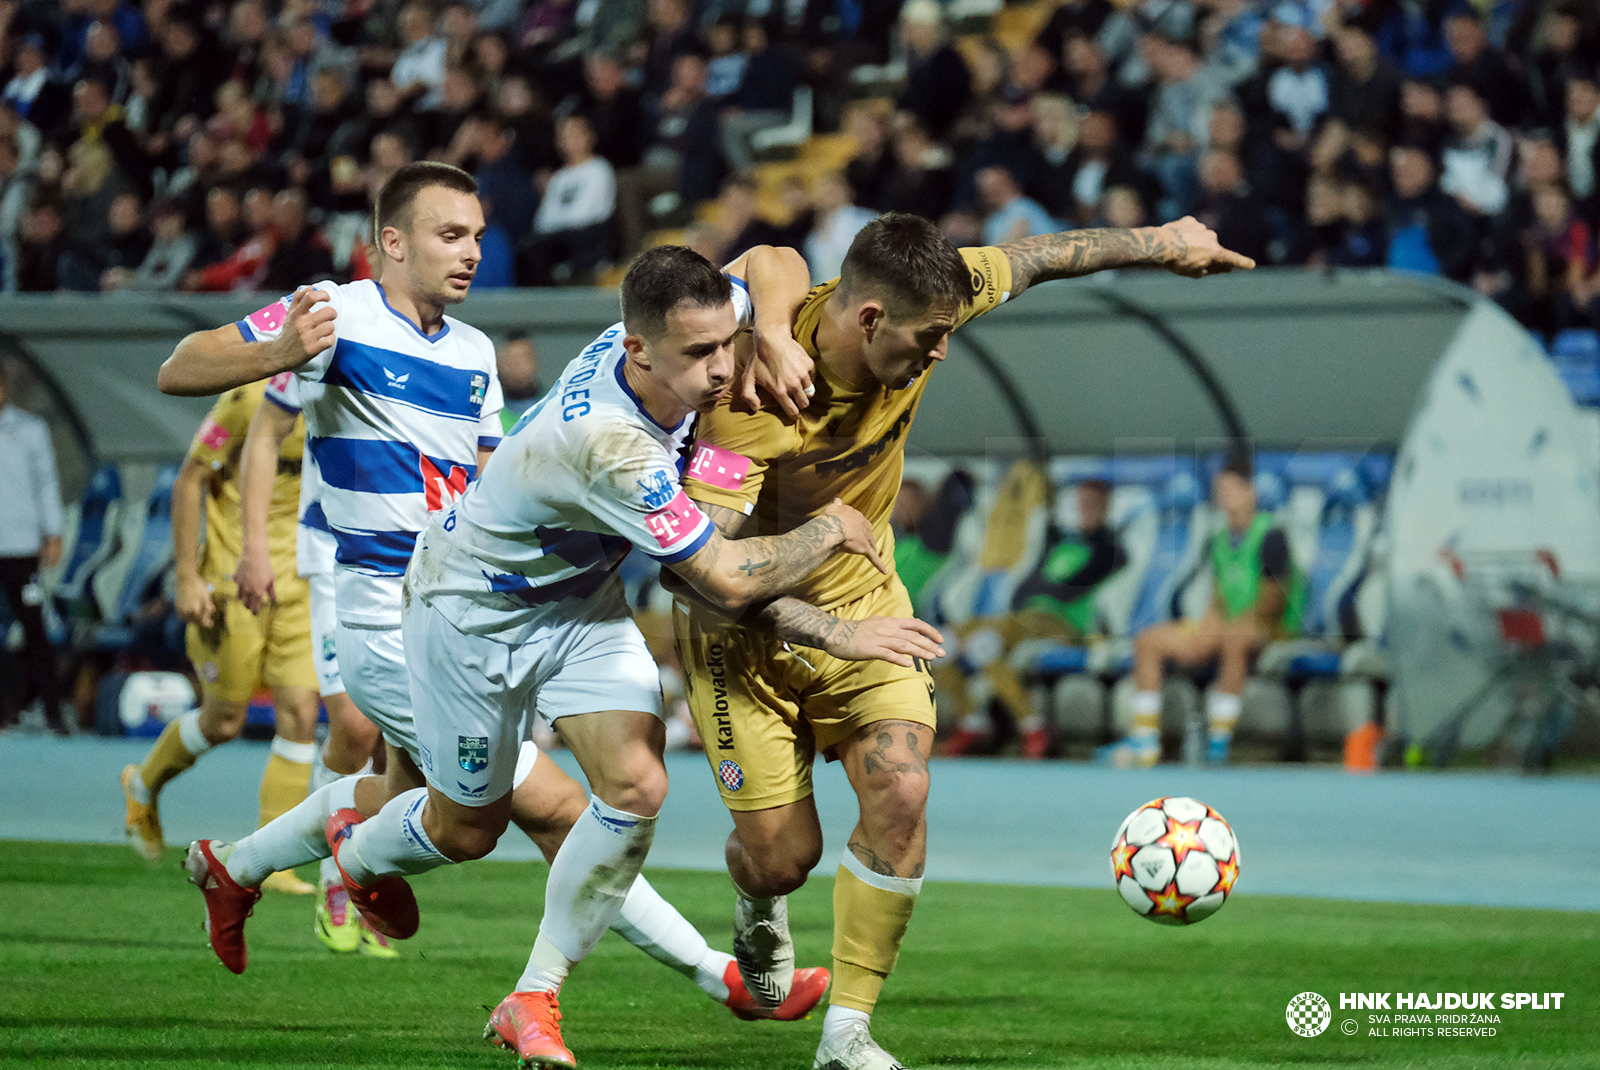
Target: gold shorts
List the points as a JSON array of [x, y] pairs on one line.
[[241, 651], [764, 711]]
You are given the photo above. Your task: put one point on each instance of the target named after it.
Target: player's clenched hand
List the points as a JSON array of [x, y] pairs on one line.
[[782, 368], [1198, 253], [893, 639], [255, 580], [307, 329], [856, 532], [193, 602]]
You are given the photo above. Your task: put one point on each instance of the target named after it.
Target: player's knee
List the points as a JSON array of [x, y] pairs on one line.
[[221, 722], [640, 787], [461, 842], [784, 864]]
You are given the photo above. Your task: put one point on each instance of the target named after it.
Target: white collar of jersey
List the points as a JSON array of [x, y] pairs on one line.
[[384, 297], [622, 381]]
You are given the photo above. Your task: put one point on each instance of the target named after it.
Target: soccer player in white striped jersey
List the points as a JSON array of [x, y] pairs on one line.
[[514, 609], [373, 383]]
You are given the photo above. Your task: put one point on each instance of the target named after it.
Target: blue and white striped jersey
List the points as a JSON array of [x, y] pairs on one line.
[[584, 475], [314, 547], [394, 421]]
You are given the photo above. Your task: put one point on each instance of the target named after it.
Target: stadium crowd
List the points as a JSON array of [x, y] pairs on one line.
[[216, 145]]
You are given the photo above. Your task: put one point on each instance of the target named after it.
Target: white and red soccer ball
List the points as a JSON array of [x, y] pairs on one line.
[[1175, 861]]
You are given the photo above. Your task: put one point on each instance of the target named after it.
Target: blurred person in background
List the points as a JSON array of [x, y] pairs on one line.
[[764, 99], [1054, 604], [40, 244], [172, 248], [30, 540], [924, 176], [1561, 263], [1009, 216], [1230, 207], [243, 268], [1582, 138], [1428, 230], [301, 256], [517, 364], [1366, 238], [1477, 153], [835, 222], [572, 230], [1257, 595], [938, 84]]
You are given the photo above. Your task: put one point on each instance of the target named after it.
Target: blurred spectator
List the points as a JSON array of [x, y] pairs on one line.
[[1089, 82], [1124, 207], [30, 540], [1314, 240], [16, 190], [244, 268], [187, 75], [1428, 231], [1569, 44], [682, 159], [88, 186], [1099, 161], [547, 23], [1297, 91], [39, 247], [871, 168], [517, 362], [418, 70], [1560, 253], [243, 38], [224, 231], [1055, 135], [1229, 207], [330, 127], [938, 84], [128, 242], [1477, 154], [1010, 145], [572, 231], [1230, 35], [1183, 97], [671, 33], [1365, 241], [1364, 89], [1422, 115], [102, 60], [97, 120], [504, 187], [1482, 67], [613, 110], [30, 80], [924, 176], [834, 226], [1009, 215], [299, 255], [1583, 136], [171, 252], [764, 99]]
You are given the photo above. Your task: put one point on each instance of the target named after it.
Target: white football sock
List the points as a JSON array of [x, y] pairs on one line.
[[391, 841], [293, 839], [838, 1018], [194, 740], [654, 926], [321, 775], [1222, 712], [138, 789], [589, 879]]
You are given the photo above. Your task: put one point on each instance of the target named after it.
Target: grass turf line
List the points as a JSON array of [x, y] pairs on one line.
[[103, 963]]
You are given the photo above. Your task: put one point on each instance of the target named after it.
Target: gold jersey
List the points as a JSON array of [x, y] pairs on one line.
[[219, 444], [850, 444]]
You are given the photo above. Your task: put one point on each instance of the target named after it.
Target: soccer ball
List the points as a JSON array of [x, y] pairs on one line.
[[1175, 860]]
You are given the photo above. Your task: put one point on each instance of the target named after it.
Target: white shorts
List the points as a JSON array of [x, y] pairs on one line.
[[373, 664], [475, 698], [324, 642]]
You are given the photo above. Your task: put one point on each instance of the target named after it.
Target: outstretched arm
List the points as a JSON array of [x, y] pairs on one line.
[[1185, 247], [209, 362], [779, 280]]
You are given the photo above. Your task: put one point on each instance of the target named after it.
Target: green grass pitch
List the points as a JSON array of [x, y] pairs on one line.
[[103, 964]]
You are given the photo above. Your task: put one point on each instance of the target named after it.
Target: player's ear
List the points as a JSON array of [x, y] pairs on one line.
[[870, 317], [634, 344], [393, 244]]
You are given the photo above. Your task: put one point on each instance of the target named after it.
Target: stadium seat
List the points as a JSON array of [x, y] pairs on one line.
[[145, 566], [791, 134], [93, 542]]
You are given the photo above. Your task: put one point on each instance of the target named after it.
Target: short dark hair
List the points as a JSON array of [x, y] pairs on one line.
[[399, 193], [1240, 462], [909, 262], [663, 278], [1102, 487]]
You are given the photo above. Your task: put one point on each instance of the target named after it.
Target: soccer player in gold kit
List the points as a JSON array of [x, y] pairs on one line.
[[764, 709], [233, 650]]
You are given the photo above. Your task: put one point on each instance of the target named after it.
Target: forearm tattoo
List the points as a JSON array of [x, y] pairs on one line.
[[802, 623], [1073, 253]]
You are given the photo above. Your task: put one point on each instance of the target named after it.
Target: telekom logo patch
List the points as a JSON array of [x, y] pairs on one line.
[[717, 467], [675, 522], [213, 434], [442, 489], [266, 320], [280, 382]]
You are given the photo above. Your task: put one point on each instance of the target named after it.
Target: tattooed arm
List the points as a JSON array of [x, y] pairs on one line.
[[1186, 247], [732, 573], [892, 639]]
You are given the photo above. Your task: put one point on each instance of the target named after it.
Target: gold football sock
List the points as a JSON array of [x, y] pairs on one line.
[[1009, 690], [287, 777], [870, 915], [175, 750]]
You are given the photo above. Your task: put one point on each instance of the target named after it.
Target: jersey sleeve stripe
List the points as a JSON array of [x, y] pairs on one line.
[[383, 553], [282, 404], [683, 553], [487, 443], [244, 329]]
